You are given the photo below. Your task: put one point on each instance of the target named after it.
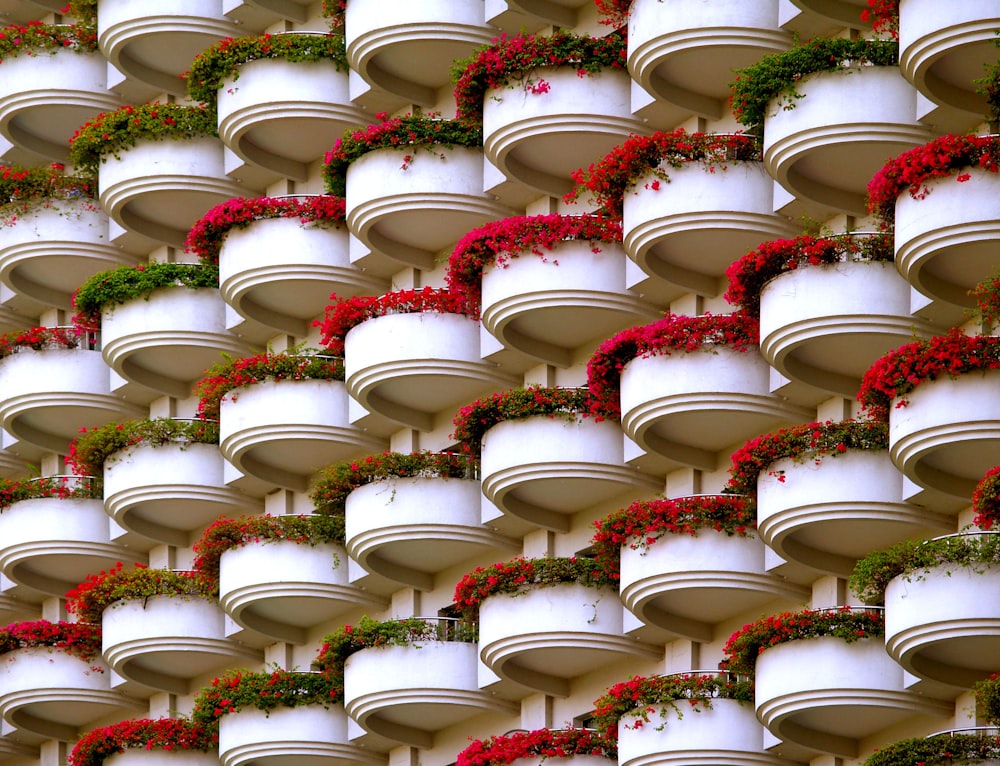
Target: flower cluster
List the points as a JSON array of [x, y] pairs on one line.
[[645, 521], [519, 575], [539, 745], [774, 78], [749, 642], [61, 487], [240, 689], [672, 334], [944, 749], [229, 534], [987, 296], [912, 170], [84, 11], [509, 61], [34, 37], [910, 558], [987, 694], [337, 481], [142, 733], [77, 638], [808, 442], [473, 421], [206, 237], [213, 66], [989, 88], [749, 275], [126, 283], [334, 11], [883, 16], [110, 133], [406, 134], [631, 702], [89, 599], [608, 180], [496, 243], [986, 499], [223, 379], [41, 338], [614, 12], [347, 313], [24, 189], [896, 374], [89, 451]]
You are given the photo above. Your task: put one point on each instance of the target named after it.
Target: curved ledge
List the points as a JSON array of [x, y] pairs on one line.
[[35, 119], [54, 566], [52, 420]]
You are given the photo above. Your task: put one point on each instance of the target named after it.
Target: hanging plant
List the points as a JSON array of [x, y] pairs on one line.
[[538, 745], [614, 12], [883, 15], [60, 487], [986, 500], [240, 689], [34, 38], [89, 451], [168, 734], [79, 639], [23, 190], [41, 338], [948, 748]]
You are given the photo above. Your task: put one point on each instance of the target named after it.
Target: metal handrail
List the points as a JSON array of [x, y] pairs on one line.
[[991, 731]]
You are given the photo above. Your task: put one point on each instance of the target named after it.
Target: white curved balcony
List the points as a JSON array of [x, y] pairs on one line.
[[727, 734], [946, 242], [284, 431], [688, 231], [827, 695], [544, 637], [947, 436], [688, 407], [539, 136], [282, 115], [544, 470], [944, 51], [827, 148], [51, 544], [943, 623], [307, 735], [281, 272], [169, 492], [845, 12], [160, 189], [409, 367], [411, 209], [547, 307], [54, 694], [409, 52], [56, 247], [687, 57], [167, 340], [407, 693], [50, 395], [826, 325], [828, 514], [45, 97], [281, 588], [139, 756], [411, 529], [158, 45], [164, 642], [687, 584]]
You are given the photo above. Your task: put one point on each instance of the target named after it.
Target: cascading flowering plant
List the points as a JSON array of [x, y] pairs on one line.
[[334, 11], [208, 235], [674, 334], [42, 338], [347, 313], [508, 62], [540, 744], [224, 381], [169, 734], [59, 487], [899, 372], [240, 689], [94, 447], [986, 500], [84, 11], [79, 639], [607, 181], [944, 749], [25, 189], [408, 135], [614, 12], [883, 16], [474, 420], [497, 242], [35, 37], [748, 275], [987, 694], [987, 297], [810, 442]]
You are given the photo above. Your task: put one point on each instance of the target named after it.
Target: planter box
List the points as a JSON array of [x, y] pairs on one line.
[[281, 114], [829, 514], [689, 231], [943, 623], [281, 272], [946, 243], [411, 529], [166, 341], [688, 584], [281, 588], [543, 637], [284, 431], [539, 138], [168, 493], [550, 306], [409, 367], [839, 134], [407, 693], [544, 470], [690, 407]]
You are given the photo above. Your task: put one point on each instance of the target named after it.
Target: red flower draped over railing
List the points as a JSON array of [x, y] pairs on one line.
[[614, 12], [986, 500], [883, 15], [540, 744], [142, 733], [40, 338], [80, 639]]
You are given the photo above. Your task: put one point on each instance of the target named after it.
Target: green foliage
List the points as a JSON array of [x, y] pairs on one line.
[[937, 749], [92, 448], [240, 689]]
